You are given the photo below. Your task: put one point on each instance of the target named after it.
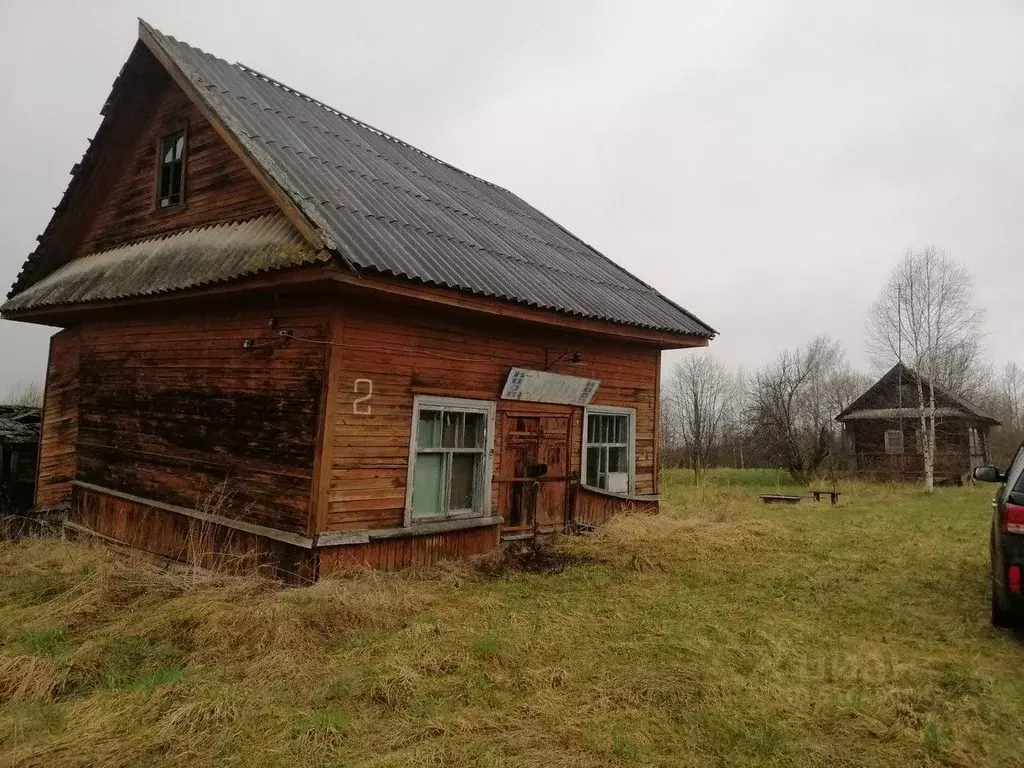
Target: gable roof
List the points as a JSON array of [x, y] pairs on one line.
[[382, 206], [858, 408]]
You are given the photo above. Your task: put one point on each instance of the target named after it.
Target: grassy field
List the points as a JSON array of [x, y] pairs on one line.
[[721, 633]]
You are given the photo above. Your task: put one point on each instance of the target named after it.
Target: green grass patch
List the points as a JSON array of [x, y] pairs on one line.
[[158, 677], [30, 587], [42, 641], [487, 646], [136, 662], [761, 479], [29, 720]]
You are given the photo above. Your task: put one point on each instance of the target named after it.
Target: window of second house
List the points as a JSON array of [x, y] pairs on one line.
[[894, 442], [609, 448], [450, 458], [171, 170]]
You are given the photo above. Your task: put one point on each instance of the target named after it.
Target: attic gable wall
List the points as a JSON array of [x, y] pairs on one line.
[[218, 187]]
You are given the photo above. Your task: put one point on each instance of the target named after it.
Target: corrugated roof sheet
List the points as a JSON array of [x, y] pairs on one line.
[[389, 207], [183, 260]]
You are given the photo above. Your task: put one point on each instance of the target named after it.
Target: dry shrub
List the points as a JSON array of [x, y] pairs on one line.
[[321, 732], [27, 677], [214, 549], [98, 593], [529, 558], [391, 687], [203, 710], [292, 622]]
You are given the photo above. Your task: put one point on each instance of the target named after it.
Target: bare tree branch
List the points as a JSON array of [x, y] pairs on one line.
[[28, 394], [792, 405]]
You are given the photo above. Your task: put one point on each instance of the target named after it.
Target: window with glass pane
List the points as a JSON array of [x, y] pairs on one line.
[[608, 451], [172, 169], [894, 442], [449, 462]]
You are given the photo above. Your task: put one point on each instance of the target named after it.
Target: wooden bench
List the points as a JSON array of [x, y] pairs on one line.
[[832, 495], [774, 498]]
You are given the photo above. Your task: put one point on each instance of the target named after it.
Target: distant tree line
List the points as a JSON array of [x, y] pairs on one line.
[[783, 415], [28, 394]]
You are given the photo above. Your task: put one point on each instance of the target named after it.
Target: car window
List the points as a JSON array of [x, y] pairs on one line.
[[1015, 475]]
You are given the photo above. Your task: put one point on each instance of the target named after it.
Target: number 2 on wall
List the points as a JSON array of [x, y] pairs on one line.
[[363, 388]]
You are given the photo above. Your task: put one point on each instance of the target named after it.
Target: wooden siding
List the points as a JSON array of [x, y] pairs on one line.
[[406, 351], [186, 539], [59, 432], [392, 554], [593, 508], [952, 455], [174, 409], [218, 186]]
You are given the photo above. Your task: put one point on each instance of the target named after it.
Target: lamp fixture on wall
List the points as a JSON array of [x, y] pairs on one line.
[[575, 359]]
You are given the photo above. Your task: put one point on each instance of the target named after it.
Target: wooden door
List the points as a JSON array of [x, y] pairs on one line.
[[534, 467]]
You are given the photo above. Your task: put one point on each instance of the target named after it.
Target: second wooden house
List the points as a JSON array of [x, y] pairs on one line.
[[883, 431], [322, 344]]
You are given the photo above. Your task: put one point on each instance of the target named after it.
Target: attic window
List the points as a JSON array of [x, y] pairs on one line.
[[171, 175]]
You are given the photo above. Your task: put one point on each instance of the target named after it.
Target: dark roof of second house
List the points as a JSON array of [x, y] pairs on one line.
[[19, 424], [957, 406], [383, 206]]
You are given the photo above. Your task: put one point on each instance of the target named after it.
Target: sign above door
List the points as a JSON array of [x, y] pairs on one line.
[[546, 387]]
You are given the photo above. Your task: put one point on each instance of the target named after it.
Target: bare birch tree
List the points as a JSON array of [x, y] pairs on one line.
[[699, 395], [927, 313], [734, 432]]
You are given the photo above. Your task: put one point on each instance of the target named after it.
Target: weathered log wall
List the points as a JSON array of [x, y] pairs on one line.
[[392, 554], [176, 410], [186, 539], [59, 432], [952, 450]]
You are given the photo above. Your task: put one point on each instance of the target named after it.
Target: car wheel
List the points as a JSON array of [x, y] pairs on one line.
[[1000, 615]]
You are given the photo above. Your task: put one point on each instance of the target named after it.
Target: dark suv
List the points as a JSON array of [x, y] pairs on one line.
[[1007, 541]]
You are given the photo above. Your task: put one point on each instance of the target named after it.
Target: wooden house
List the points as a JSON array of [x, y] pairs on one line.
[[19, 450], [321, 344], [884, 438]]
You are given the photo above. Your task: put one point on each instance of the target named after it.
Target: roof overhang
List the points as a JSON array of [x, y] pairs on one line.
[[891, 414], [187, 259], [869, 414], [329, 278]]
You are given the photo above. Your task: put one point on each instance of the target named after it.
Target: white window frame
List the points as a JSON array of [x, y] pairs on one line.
[[430, 403], [893, 447], [612, 410]]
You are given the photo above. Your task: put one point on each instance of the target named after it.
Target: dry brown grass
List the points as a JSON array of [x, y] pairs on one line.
[[721, 632]]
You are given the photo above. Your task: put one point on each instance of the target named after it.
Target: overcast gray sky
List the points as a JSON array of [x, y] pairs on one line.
[[763, 163]]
